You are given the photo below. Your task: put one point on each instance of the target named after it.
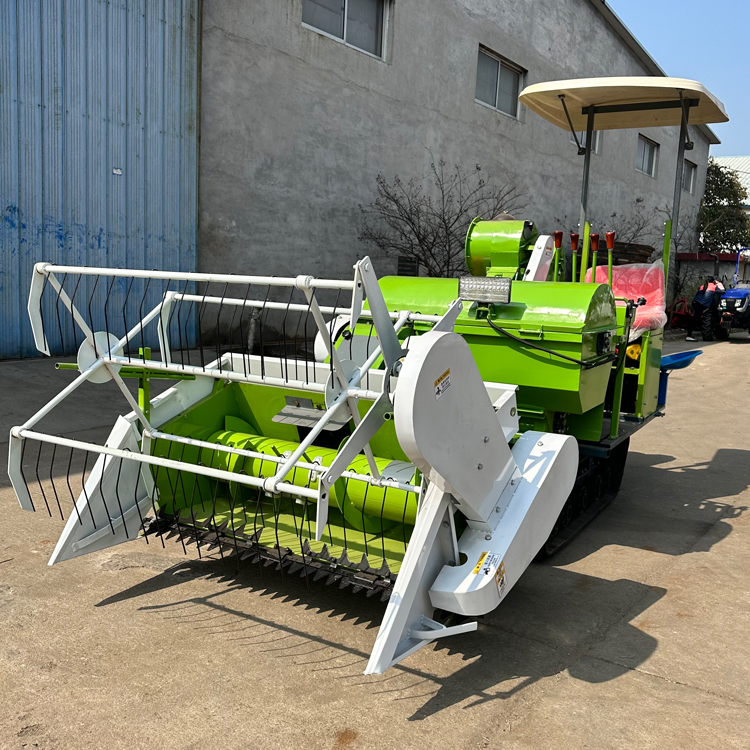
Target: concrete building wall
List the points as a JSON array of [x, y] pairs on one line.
[[296, 126]]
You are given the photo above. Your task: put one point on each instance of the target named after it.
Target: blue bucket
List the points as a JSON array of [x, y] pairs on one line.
[[673, 362], [663, 382]]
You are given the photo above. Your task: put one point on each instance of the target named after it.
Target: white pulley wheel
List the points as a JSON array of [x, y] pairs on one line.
[[108, 346]]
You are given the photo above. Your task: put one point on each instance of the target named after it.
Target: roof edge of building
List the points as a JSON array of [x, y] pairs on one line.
[[641, 53]]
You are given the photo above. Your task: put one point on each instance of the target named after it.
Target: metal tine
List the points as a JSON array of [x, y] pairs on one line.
[[217, 336], [117, 496], [124, 313], [106, 316], [307, 338], [179, 325], [344, 560], [74, 325], [343, 525], [364, 505], [170, 318], [213, 515], [371, 592], [173, 489], [91, 297], [260, 332], [235, 308], [104, 499], [363, 564], [137, 506], [245, 339], [39, 481], [67, 481], [192, 511], [201, 312], [140, 315], [164, 334], [155, 474], [181, 480], [52, 480], [382, 521], [285, 361], [83, 488], [233, 543], [386, 595]]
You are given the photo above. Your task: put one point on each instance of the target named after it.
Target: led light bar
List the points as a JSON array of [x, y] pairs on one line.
[[484, 289]]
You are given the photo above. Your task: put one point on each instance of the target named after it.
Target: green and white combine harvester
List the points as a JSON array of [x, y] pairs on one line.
[[436, 438]]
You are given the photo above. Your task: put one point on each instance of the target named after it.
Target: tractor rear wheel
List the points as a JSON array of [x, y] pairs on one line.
[[707, 326]]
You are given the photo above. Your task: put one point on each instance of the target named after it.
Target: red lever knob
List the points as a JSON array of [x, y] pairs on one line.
[[594, 243], [610, 240], [574, 241], [558, 239]]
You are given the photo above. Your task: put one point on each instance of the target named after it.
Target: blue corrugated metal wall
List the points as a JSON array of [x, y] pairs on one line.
[[98, 144]]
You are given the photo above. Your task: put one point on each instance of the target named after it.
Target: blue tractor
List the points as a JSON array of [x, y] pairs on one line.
[[734, 310]]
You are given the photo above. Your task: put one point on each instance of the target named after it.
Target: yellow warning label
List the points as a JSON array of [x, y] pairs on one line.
[[478, 566], [442, 384], [500, 579]]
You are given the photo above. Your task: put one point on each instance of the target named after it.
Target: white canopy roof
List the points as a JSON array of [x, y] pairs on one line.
[[544, 99]]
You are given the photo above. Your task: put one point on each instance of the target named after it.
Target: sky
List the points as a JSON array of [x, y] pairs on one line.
[[706, 42]]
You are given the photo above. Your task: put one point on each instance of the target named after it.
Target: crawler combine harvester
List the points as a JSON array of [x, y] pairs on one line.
[[416, 439]]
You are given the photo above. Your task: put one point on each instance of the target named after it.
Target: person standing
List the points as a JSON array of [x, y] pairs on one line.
[[702, 302]]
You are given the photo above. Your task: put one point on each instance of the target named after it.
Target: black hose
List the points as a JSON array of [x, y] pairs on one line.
[[585, 365]]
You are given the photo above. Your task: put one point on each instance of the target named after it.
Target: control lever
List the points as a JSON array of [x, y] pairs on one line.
[[574, 237], [594, 249]]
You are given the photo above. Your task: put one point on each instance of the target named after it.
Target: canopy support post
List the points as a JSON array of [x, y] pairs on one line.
[[682, 147], [585, 192]]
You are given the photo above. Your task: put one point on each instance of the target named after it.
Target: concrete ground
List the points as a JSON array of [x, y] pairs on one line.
[[634, 636]]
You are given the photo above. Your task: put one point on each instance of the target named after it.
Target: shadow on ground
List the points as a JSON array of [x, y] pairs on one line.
[[666, 508], [544, 627]]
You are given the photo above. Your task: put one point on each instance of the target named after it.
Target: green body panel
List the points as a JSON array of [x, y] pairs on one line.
[[587, 426], [566, 318], [499, 248]]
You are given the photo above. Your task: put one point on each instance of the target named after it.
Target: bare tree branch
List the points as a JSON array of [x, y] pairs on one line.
[[427, 222]]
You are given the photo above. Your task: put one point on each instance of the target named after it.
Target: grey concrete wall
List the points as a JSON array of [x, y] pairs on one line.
[[296, 126]]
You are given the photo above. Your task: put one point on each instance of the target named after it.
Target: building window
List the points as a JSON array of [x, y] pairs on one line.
[[582, 140], [645, 159], [358, 23], [498, 83], [689, 173], [407, 266]]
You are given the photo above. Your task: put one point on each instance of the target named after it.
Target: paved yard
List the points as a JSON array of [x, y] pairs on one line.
[[635, 636]]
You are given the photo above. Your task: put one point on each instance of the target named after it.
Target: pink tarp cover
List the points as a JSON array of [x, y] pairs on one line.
[[639, 280]]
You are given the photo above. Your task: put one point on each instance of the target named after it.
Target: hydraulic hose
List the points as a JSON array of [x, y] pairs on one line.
[[532, 345]]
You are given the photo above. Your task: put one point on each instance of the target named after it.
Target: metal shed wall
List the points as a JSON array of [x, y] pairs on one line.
[[98, 145]]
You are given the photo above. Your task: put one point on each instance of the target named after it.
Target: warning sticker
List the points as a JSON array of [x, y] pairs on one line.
[[492, 565], [442, 384], [478, 566], [502, 584]]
